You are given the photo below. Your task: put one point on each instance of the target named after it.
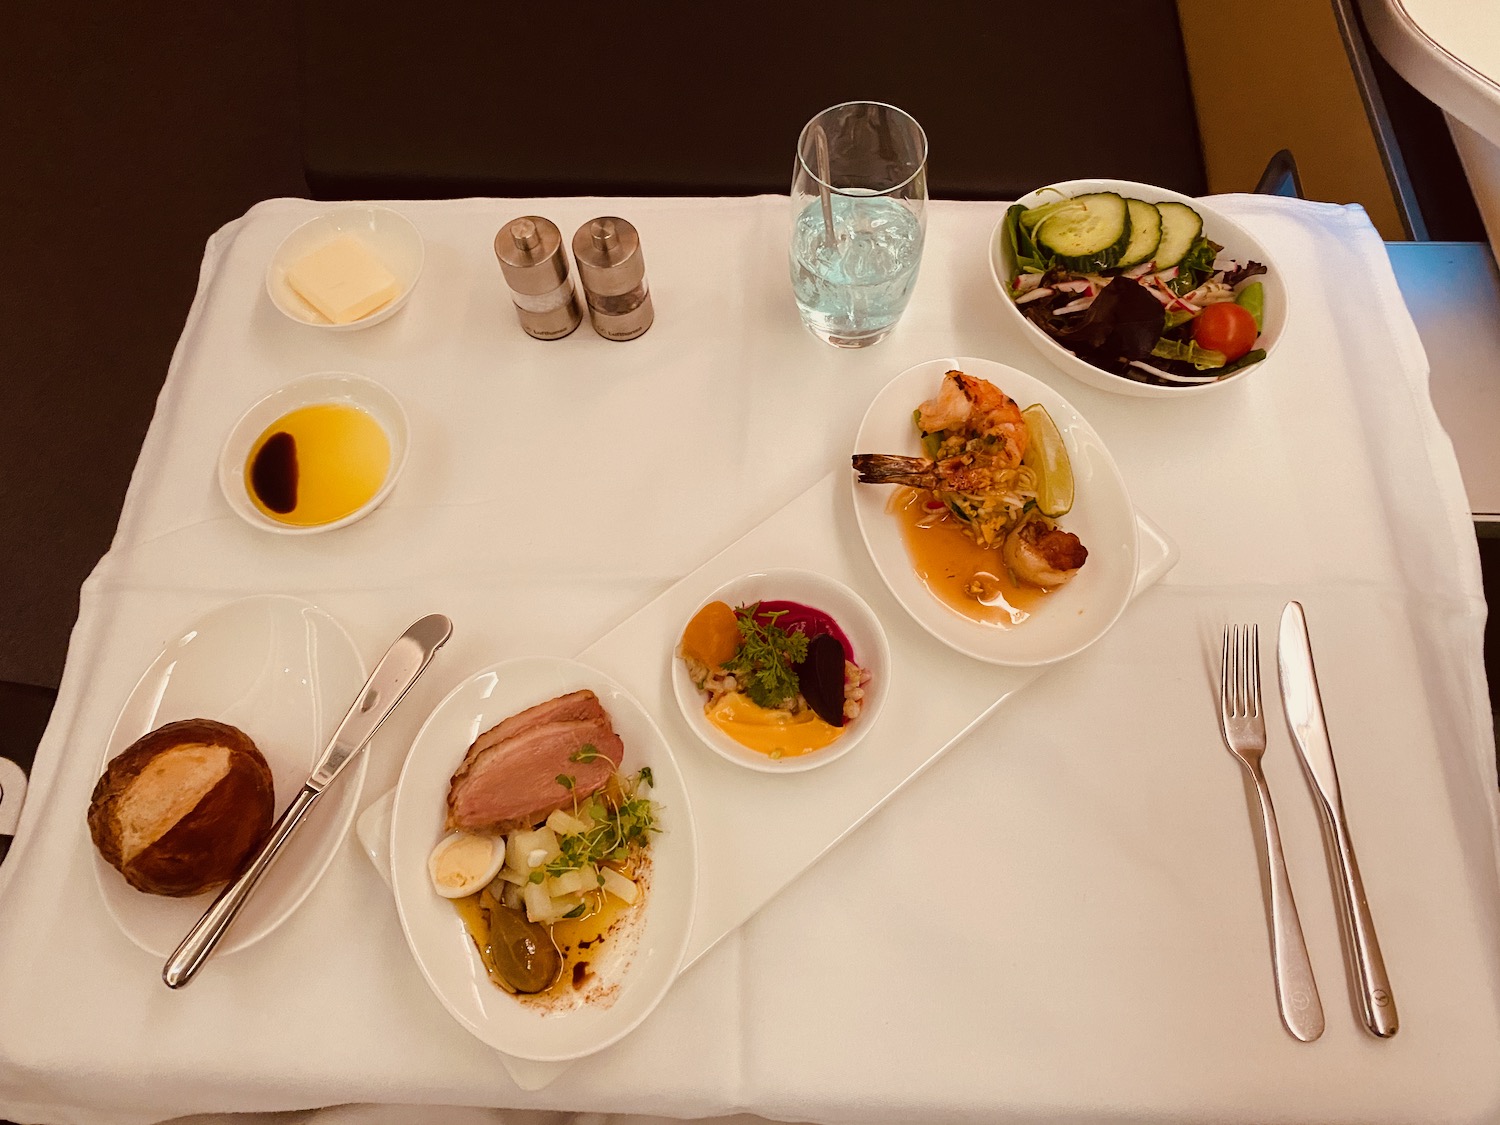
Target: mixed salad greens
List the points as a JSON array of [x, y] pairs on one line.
[[1135, 288]]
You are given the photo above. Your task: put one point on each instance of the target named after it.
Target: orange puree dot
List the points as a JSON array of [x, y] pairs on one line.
[[712, 635]]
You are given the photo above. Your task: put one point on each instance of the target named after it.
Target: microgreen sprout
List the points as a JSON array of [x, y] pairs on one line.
[[620, 821]]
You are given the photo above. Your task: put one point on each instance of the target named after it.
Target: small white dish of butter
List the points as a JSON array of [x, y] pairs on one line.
[[348, 268]]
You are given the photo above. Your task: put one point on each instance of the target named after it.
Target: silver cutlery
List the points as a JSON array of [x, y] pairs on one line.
[[398, 669], [1244, 730], [1304, 715]]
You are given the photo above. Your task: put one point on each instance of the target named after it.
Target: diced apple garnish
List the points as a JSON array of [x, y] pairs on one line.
[[566, 824], [618, 885], [527, 850]]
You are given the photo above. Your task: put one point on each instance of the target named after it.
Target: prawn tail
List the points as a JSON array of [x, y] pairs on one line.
[[885, 468]]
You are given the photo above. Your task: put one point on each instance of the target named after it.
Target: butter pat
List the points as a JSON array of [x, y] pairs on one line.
[[343, 280]]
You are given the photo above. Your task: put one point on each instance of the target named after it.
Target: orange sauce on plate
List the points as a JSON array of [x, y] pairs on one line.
[[776, 734], [950, 563]]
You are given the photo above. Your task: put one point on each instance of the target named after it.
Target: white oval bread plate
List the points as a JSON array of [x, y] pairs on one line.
[[284, 672]]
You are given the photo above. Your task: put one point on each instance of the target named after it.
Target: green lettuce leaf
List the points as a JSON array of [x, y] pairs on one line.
[[1252, 299], [1028, 258], [1245, 360], [1196, 265], [1204, 359]]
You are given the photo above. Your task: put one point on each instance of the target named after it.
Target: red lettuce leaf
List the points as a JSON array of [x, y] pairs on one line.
[[1122, 324]]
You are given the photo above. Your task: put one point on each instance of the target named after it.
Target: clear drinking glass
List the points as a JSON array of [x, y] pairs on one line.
[[852, 284]]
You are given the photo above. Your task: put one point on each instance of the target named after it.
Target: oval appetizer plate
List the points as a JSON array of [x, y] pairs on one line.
[[1067, 620], [284, 672], [645, 949]]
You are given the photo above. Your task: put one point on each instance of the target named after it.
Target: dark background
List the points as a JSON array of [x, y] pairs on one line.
[[132, 133]]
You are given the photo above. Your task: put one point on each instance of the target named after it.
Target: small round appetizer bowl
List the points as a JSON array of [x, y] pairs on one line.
[[349, 395], [854, 618], [372, 238], [1239, 246]]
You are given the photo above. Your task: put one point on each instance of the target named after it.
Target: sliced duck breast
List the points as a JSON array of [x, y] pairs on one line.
[[573, 706], [513, 783]]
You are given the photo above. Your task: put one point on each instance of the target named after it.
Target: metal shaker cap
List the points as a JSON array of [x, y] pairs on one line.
[[608, 251], [531, 255]]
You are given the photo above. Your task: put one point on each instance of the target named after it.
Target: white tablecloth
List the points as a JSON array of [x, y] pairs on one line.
[[1061, 920]]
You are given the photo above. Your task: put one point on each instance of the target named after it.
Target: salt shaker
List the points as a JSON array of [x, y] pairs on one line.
[[536, 269], [613, 272]]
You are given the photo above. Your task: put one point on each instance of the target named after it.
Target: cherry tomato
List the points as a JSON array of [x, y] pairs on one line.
[[1225, 327]]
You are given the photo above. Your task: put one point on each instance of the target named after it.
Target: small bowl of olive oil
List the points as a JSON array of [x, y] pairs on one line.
[[319, 453]]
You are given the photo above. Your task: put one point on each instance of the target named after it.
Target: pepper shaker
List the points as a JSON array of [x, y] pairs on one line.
[[536, 269], [613, 272]]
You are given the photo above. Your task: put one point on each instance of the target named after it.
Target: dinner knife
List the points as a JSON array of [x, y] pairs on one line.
[[1304, 715], [398, 669]]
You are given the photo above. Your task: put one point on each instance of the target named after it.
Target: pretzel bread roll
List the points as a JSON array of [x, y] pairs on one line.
[[182, 808]]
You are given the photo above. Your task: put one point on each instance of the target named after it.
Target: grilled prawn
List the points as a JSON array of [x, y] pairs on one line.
[[973, 412], [975, 433], [951, 474]]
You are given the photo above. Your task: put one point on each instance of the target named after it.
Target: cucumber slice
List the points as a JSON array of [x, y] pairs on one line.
[[1145, 233], [1087, 233], [1180, 227]]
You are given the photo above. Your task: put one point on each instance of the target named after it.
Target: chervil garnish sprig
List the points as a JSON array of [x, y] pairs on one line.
[[762, 665]]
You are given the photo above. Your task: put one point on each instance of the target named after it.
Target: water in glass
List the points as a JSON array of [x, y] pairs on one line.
[[853, 290]]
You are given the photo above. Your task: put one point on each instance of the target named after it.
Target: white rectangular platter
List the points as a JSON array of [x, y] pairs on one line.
[[757, 832]]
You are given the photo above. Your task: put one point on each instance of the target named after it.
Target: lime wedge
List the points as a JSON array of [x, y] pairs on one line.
[[1047, 456]]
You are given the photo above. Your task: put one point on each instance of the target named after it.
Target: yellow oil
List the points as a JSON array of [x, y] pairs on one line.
[[317, 464], [578, 940]]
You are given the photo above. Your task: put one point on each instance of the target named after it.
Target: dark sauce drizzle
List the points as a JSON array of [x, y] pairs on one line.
[[273, 473]]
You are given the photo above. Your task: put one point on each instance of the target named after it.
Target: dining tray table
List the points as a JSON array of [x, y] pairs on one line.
[[1059, 919]]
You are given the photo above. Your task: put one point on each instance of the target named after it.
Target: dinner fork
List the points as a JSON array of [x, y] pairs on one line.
[[1244, 730]]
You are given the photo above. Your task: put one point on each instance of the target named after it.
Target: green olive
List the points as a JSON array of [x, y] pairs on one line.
[[521, 956]]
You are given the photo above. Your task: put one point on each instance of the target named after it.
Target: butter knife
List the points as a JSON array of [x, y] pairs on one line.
[[398, 669], [1304, 715]]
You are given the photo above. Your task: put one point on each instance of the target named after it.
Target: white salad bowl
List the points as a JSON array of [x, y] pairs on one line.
[[1239, 245], [387, 234], [849, 612]]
